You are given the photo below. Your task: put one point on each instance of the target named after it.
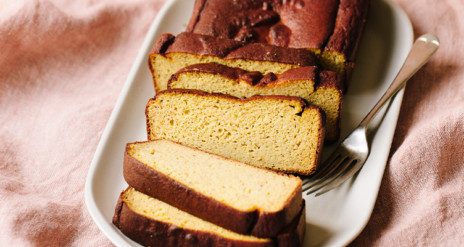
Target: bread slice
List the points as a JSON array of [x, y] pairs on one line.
[[323, 89], [151, 222], [277, 132], [214, 77], [329, 28], [231, 194], [171, 53]]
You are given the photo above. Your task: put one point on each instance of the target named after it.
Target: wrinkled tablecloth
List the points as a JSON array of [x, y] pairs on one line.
[[64, 63]]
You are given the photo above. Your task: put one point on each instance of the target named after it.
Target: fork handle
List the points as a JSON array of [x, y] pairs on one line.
[[422, 50]]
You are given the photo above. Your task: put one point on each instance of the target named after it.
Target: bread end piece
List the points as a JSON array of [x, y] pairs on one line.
[[151, 222]]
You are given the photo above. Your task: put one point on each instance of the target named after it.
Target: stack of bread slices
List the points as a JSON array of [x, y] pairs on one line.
[[182, 196], [245, 99]]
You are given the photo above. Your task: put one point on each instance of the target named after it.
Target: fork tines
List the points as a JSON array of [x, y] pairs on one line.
[[332, 169]]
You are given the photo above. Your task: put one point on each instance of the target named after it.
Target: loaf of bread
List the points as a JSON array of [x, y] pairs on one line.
[[172, 53], [329, 28], [282, 133], [228, 193], [323, 89], [151, 222]]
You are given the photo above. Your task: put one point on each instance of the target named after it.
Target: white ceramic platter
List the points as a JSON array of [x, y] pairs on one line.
[[333, 219]]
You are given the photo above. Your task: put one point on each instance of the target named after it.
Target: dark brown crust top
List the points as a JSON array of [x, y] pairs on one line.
[[253, 78], [297, 23], [331, 79], [162, 43], [250, 77], [151, 232], [257, 223], [302, 73], [197, 9], [316, 24], [311, 21], [202, 45], [205, 45], [351, 19]]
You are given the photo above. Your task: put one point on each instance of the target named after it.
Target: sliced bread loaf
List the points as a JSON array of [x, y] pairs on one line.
[[171, 53], [323, 89], [152, 222], [330, 28], [228, 193], [282, 133]]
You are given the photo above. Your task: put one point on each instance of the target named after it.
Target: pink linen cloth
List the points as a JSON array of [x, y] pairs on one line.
[[62, 67], [421, 199]]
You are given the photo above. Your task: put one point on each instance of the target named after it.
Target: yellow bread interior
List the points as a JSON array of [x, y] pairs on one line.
[[164, 66], [160, 211], [333, 61], [238, 185], [327, 98], [214, 83], [268, 132], [330, 60]]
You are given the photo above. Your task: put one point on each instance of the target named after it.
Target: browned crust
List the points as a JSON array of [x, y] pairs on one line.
[[162, 43], [205, 45], [350, 22], [294, 234], [197, 9], [151, 232], [271, 222], [118, 209], [299, 24], [331, 26], [272, 53], [250, 77], [304, 104], [331, 79], [302, 73], [253, 78], [258, 223]]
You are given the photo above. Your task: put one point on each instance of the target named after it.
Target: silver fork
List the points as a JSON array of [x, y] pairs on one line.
[[351, 154]]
